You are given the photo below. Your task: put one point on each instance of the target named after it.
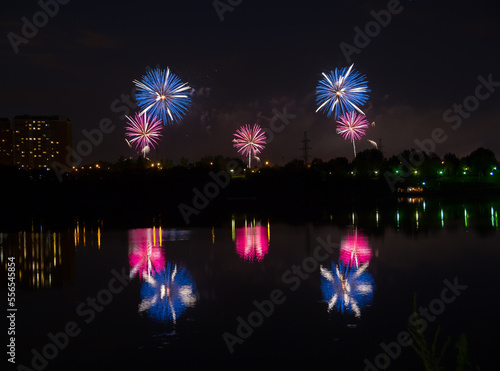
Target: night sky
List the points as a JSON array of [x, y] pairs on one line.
[[264, 55]]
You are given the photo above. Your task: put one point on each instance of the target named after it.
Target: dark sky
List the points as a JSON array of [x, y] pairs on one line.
[[264, 55]]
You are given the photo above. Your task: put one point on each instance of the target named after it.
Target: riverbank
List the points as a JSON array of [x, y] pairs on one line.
[[202, 196]]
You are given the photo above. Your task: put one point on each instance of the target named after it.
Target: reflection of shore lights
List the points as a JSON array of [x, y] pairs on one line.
[[466, 217], [442, 218], [233, 224]]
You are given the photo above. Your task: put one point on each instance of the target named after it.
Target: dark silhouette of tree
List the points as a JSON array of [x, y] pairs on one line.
[[339, 166], [368, 162], [481, 161], [451, 165]]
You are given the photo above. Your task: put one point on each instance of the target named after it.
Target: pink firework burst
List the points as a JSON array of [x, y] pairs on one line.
[[144, 131], [352, 126], [249, 141]]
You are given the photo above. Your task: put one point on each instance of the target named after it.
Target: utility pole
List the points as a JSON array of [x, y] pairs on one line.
[[305, 148]]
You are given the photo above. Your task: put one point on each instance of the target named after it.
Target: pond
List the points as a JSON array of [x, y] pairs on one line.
[[255, 291]]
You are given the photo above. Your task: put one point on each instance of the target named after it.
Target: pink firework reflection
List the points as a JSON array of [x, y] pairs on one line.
[[146, 256], [355, 250], [252, 242]]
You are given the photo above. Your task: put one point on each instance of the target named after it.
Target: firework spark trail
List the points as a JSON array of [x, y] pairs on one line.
[[249, 141], [144, 131], [352, 126], [341, 91], [163, 94]]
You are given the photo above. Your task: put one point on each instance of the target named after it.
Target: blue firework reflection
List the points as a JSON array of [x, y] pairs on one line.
[[166, 295], [347, 289]]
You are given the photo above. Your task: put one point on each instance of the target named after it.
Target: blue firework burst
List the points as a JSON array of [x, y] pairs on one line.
[[162, 93], [341, 91]]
